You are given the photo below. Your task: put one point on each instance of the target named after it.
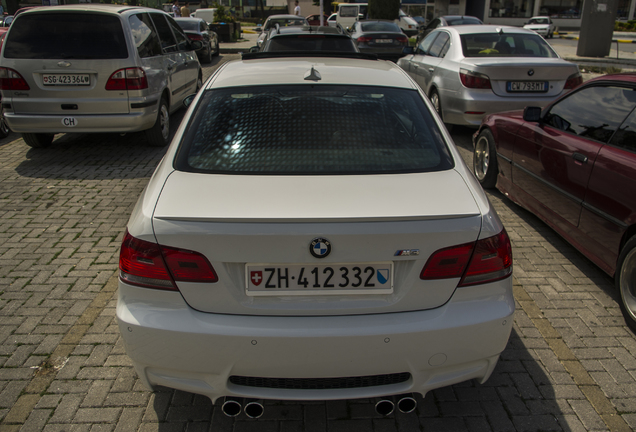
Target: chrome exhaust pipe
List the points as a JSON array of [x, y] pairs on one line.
[[406, 403], [254, 408], [384, 407], [231, 407]]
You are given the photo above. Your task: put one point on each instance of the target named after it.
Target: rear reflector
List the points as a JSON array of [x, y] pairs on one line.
[[151, 265], [12, 80], [483, 261]]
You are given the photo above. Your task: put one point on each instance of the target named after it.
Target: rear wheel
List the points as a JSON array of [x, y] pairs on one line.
[[437, 103], [208, 55], [625, 279], [485, 160], [218, 49], [159, 134], [38, 140]]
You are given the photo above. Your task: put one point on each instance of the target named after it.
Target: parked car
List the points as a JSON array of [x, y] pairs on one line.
[[328, 39], [542, 25], [234, 283], [407, 24], [314, 20], [281, 21], [383, 38], [420, 20], [128, 77], [6, 21], [332, 20], [196, 29], [573, 164], [472, 71], [446, 21]]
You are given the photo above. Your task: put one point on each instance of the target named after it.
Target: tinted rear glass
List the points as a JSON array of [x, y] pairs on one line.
[[505, 45], [70, 35], [462, 21], [380, 27], [312, 130], [188, 25], [310, 43]]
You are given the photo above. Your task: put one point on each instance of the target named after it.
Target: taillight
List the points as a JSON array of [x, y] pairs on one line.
[[483, 261], [364, 39], [472, 79], [402, 39], [127, 79], [151, 265], [12, 80], [195, 37], [573, 81]]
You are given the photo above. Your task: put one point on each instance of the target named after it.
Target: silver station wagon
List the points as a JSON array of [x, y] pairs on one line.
[[95, 68]]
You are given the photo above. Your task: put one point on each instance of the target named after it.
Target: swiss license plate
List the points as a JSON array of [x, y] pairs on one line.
[[312, 279], [66, 79], [384, 41], [527, 86]]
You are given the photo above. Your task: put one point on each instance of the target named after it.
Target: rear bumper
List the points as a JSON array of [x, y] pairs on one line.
[[131, 122], [457, 105], [176, 346]]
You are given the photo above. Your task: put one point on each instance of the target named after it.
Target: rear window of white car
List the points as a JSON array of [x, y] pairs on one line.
[[313, 130], [70, 35], [506, 45]]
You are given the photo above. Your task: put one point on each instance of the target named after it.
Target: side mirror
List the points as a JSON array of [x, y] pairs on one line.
[[196, 45], [408, 50], [254, 49], [188, 100], [532, 114]]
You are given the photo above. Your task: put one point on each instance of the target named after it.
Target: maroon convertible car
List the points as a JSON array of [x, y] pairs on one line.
[[573, 164]]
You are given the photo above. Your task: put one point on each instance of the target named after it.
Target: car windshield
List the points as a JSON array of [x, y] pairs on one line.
[[538, 21], [189, 25], [506, 45], [310, 43], [380, 27], [312, 130], [66, 35], [284, 22], [462, 21]]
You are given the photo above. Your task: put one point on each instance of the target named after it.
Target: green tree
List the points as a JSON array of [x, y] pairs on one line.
[[384, 9]]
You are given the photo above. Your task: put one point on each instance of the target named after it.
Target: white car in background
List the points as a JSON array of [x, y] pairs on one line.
[[543, 25], [272, 257]]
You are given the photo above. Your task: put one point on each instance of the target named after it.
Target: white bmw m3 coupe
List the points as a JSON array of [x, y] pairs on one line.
[[312, 233]]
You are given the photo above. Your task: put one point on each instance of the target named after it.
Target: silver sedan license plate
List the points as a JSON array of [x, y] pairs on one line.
[[66, 79], [527, 86], [323, 279]]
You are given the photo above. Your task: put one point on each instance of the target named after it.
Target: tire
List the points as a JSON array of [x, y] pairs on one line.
[[38, 140], [208, 55], [199, 83], [4, 127], [485, 160], [159, 134], [625, 279], [217, 50], [437, 103]]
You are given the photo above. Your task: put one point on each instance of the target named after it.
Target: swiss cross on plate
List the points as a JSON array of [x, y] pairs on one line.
[[256, 277]]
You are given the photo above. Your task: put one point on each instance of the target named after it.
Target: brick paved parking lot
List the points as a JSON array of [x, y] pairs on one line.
[[570, 364]]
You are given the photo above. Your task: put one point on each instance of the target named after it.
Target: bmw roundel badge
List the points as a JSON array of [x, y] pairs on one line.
[[320, 247], [530, 72]]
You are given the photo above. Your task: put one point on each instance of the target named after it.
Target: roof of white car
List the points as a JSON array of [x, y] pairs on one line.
[[111, 8], [295, 70], [486, 28]]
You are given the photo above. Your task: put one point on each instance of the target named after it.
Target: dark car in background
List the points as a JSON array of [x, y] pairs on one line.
[[196, 29], [383, 38], [329, 39], [573, 164], [314, 20]]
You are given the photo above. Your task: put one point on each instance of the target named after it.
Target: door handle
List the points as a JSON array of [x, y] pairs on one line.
[[431, 69], [579, 157], [416, 66]]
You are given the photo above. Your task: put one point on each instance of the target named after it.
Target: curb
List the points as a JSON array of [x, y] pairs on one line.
[[613, 40]]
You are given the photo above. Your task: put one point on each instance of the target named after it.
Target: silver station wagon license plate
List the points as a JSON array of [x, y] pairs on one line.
[[313, 279], [66, 79], [527, 86]]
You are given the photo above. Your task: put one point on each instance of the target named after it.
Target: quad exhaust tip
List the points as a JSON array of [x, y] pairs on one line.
[[384, 407], [231, 407], [406, 404], [254, 409]]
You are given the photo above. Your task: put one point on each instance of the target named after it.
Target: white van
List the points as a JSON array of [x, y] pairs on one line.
[[206, 14], [349, 13]]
